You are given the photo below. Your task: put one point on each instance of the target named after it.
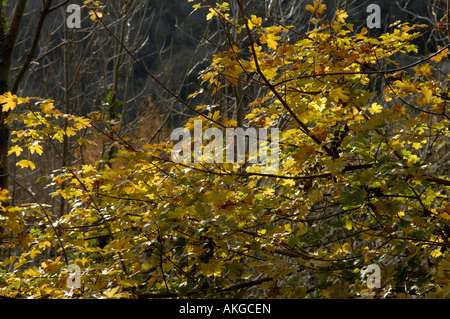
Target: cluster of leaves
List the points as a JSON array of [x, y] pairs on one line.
[[94, 7], [354, 185]]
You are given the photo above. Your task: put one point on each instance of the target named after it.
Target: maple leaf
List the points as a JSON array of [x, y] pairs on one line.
[[341, 15], [15, 149], [81, 123], [438, 57], [9, 101], [317, 8], [35, 147], [254, 22], [26, 163], [94, 15], [47, 107], [375, 108]]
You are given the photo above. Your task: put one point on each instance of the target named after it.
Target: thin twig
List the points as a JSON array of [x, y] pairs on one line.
[[46, 215]]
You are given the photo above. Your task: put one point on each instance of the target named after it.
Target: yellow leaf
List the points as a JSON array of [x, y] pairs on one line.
[[34, 252], [418, 145], [348, 224], [436, 253], [346, 247], [270, 39], [270, 73], [216, 116], [288, 182], [9, 101], [212, 269], [424, 70], [21, 100], [94, 15], [271, 43], [47, 107], [36, 148], [262, 231], [81, 123], [405, 86], [4, 195], [212, 13], [317, 8], [342, 94], [446, 213], [15, 149], [412, 159], [112, 292], [45, 244], [341, 15], [70, 131], [192, 95], [26, 163], [32, 272], [426, 93], [229, 122], [375, 108], [440, 56], [254, 22], [287, 228]]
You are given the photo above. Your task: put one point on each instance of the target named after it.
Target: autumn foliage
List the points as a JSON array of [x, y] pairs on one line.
[[360, 180]]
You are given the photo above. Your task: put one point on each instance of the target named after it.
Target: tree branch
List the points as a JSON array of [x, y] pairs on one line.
[[34, 46], [197, 291], [304, 76], [272, 88]]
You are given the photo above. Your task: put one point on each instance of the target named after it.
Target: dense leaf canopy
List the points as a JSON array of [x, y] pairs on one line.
[[360, 180]]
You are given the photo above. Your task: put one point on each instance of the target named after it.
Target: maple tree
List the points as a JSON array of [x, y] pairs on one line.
[[360, 180]]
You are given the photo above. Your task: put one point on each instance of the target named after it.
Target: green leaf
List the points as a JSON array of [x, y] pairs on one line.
[[353, 198]]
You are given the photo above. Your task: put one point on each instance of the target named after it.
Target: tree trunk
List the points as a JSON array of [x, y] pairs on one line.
[[6, 50]]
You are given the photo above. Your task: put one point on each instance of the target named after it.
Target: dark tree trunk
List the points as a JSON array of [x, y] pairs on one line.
[[6, 50]]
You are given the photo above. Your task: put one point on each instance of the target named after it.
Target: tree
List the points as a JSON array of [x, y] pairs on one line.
[[9, 37], [359, 180]]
